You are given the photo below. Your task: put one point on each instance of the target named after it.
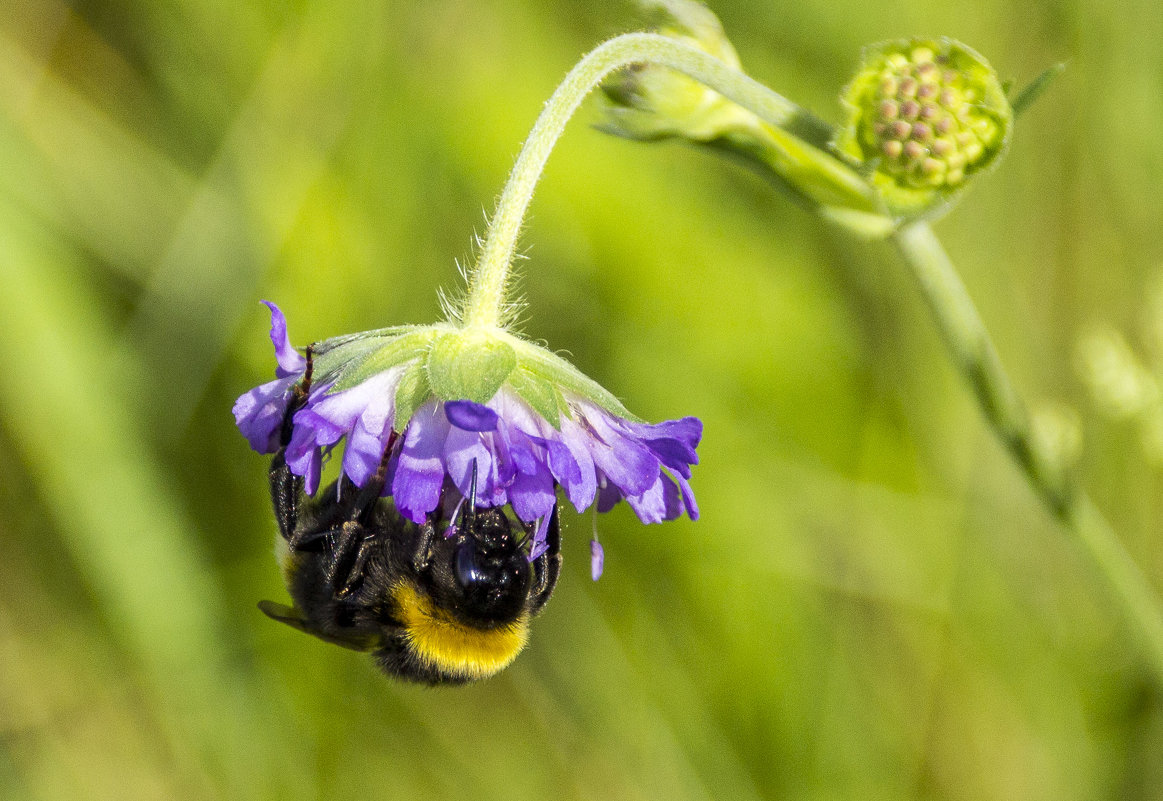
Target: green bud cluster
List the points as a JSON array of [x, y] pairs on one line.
[[924, 117], [925, 126]]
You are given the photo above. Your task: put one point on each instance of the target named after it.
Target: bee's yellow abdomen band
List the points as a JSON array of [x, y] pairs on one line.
[[451, 646]]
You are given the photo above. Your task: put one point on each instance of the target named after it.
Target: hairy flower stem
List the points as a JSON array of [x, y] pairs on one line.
[[485, 305], [976, 357]]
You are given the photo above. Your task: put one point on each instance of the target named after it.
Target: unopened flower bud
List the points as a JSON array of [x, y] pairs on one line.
[[649, 101], [924, 116]]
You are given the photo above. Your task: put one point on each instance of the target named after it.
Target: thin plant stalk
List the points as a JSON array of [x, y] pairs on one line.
[[974, 353]]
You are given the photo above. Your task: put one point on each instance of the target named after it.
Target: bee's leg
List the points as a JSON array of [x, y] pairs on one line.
[[364, 552], [352, 542], [547, 567], [469, 504], [463, 519], [338, 505], [287, 488], [423, 553], [351, 549]]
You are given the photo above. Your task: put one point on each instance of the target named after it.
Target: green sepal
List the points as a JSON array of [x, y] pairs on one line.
[[335, 358], [541, 395], [371, 355], [412, 392], [650, 102], [1032, 91], [453, 363], [469, 364], [561, 375]]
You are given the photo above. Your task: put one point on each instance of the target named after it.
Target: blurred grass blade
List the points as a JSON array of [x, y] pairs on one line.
[[79, 433]]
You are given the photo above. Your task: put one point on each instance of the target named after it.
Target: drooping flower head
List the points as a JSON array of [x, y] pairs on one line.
[[443, 402]]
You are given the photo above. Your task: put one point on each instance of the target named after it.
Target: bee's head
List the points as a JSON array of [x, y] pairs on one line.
[[489, 568]]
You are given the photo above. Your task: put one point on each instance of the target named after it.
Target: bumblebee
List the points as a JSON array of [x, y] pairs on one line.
[[432, 606]]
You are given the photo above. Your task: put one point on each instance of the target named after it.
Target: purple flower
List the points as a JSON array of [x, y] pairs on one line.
[[259, 413], [519, 456]]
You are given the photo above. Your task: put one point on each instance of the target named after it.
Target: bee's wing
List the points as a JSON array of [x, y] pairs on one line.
[[293, 618]]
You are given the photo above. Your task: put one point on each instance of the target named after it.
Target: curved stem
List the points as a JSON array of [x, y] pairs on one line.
[[965, 335], [484, 305]]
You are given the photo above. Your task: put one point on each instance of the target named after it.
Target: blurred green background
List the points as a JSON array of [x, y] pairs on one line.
[[873, 604]]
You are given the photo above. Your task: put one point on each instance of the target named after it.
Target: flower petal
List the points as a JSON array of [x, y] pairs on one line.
[[532, 496], [672, 442], [528, 457], [504, 470], [369, 434], [303, 456], [462, 450], [469, 416], [687, 430], [608, 496], [320, 429], [625, 461], [291, 362], [652, 505], [579, 490], [688, 498], [540, 534], [561, 463], [374, 397], [366, 443], [259, 413], [420, 468]]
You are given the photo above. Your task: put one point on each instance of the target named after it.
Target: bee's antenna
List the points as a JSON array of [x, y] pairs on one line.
[[470, 514]]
